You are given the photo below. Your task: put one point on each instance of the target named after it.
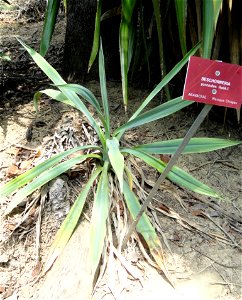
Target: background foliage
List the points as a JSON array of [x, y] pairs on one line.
[[154, 35]]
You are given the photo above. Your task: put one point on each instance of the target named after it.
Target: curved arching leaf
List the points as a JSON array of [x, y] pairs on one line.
[[144, 227], [49, 25], [125, 43], [103, 86], [176, 175], [45, 177], [84, 93], [69, 224], [96, 37], [166, 79], [29, 175], [60, 83], [154, 114], [195, 145], [98, 220], [181, 14], [116, 159]]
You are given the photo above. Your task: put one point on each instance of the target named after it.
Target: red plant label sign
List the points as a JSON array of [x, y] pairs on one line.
[[213, 82]]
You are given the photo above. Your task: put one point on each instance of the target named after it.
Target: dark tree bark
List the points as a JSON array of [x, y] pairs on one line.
[[79, 38]]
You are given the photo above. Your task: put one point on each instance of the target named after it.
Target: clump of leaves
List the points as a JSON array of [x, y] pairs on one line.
[[112, 174]]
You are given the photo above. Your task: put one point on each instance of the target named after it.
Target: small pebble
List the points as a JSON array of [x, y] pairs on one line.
[[4, 258]]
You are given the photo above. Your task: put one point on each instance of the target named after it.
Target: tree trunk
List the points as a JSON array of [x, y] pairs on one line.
[[79, 38]]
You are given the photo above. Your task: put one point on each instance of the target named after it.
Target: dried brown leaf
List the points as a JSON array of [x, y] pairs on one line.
[[13, 171]]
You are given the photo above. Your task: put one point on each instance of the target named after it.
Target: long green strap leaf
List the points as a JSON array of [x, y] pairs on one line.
[[45, 177], [52, 173], [59, 96], [58, 81], [124, 41], [102, 77], [96, 37], [208, 27], [181, 14], [156, 113], [159, 23], [217, 7], [176, 175], [49, 25], [210, 17], [54, 94], [26, 177], [144, 227], [68, 226], [84, 93], [116, 160], [166, 79], [196, 145], [99, 218]]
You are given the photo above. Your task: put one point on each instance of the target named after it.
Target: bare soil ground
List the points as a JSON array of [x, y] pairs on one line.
[[202, 237]]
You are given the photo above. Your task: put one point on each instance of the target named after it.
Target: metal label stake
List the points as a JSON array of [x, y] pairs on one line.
[[202, 115]]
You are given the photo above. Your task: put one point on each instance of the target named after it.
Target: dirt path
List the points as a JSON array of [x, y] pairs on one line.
[[202, 237]]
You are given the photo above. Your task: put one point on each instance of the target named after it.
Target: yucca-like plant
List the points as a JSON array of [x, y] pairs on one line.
[[112, 169]]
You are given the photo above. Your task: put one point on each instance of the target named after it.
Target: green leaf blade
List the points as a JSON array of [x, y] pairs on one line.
[[116, 159], [166, 79], [181, 14], [84, 93], [176, 175], [156, 113], [102, 77], [98, 220], [69, 224], [29, 175], [49, 25], [125, 42], [96, 37], [43, 64], [58, 81], [144, 227], [210, 12], [195, 145], [45, 177]]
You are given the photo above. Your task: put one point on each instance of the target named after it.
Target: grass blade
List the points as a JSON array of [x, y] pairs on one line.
[[195, 145], [24, 178], [156, 113], [98, 220], [96, 37], [176, 175], [67, 227], [181, 14], [49, 25]]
